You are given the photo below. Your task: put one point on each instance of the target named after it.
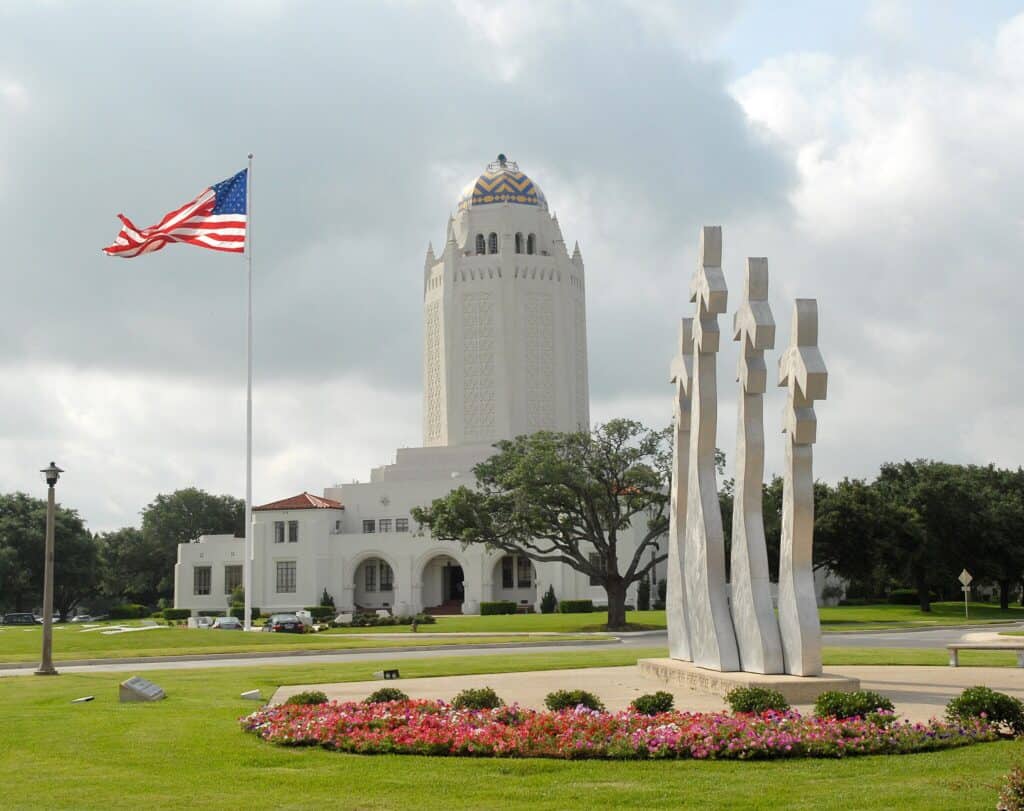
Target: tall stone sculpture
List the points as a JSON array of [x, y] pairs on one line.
[[681, 375], [712, 640], [802, 370], [757, 630]]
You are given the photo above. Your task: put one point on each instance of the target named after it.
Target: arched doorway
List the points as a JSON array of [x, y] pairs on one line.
[[514, 579], [443, 585], [374, 584]]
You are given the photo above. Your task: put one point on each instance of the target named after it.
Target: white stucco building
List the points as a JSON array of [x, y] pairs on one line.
[[505, 354]]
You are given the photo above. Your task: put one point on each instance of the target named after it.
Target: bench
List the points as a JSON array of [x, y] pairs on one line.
[[954, 650]]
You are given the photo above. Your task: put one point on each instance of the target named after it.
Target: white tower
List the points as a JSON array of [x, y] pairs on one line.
[[505, 338]]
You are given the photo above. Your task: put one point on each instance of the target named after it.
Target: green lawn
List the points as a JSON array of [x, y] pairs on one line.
[[70, 643], [189, 751]]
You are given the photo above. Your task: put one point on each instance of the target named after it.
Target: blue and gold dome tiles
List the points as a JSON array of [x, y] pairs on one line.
[[502, 182]]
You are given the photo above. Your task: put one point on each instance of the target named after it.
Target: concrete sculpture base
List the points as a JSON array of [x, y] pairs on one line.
[[796, 689]]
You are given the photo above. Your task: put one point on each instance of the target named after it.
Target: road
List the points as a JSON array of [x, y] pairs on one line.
[[932, 638]]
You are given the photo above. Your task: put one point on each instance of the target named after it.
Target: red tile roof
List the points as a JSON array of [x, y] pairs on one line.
[[303, 501]]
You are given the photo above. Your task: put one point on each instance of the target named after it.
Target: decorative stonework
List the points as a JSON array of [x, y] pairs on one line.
[[540, 368], [432, 375], [757, 630], [703, 626], [582, 398], [802, 371], [478, 366]]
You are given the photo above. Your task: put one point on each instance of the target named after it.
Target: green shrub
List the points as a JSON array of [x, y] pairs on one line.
[[238, 612], [576, 607], [908, 597], [653, 703], [862, 703], [308, 697], [483, 698], [997, 708], [326, 599], [425, 619], [756, 700], [1011, 796], [571, 699], [128, 611], [321, 612], [549, 602], [171, 614], [157, 615], [500, 607], [384, 695]]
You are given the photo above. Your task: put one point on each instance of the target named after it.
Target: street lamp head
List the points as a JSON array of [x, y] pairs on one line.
[[51, 474]]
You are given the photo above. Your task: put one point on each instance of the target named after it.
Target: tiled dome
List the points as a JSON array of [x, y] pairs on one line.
[[502, 182]]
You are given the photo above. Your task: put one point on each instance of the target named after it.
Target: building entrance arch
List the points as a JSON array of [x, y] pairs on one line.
[[442, 582]]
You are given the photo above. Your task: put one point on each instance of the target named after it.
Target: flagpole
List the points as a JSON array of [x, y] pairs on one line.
[[249, 546]]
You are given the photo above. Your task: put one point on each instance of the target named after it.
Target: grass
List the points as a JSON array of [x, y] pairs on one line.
[[882, 616], [935, 657], [22, 645], [70, 643], [189, 750]]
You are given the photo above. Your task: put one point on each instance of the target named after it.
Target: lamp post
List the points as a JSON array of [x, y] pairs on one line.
[[46, 668]]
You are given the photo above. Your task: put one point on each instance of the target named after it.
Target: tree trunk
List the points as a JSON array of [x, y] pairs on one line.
[[1022, 593], [923, 595], [616, 591], [1004, 594]]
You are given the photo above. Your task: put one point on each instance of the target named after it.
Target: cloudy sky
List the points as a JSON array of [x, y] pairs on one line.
[[873, 155]]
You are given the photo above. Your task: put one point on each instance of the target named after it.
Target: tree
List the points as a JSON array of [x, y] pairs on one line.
[[131, 567], [567, 498], [1000, 545], [181, 517], [22, 549]]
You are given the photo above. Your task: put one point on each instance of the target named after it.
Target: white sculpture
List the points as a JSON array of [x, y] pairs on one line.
[[757, 630], [712, 640], [802, 370], [675, 587], [703, 627]]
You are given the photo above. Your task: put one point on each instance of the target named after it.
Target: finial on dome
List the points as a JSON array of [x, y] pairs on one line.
[[502, 160]]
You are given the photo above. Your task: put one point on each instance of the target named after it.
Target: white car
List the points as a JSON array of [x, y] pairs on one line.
[[227, 624], [204, 622]]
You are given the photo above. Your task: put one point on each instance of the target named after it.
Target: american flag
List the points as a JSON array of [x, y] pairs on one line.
[[216, 219]]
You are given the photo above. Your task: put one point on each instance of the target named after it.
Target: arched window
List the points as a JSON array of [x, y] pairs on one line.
[[519, 243], [492, 243], [480, 244], [531, 244]]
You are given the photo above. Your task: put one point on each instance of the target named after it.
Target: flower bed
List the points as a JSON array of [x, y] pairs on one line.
[[435, 728]]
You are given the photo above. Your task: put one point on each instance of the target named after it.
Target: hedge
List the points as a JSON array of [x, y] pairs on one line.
[[128, 611], [576, 606], [238, 612], [321, 612], [171, 614], [500, 607]]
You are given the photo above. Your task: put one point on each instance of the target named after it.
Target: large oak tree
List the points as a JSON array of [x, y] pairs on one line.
[[568, 498]]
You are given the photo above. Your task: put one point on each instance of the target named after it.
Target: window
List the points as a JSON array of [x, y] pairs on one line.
[[507, 581], [293, 532], [201, 580], [232, 578], [385, 524], [337, 526], [286, 577], [524, 572], [370, 573], [531, 244], [595, 560], [369, 526], [401, 525], [279, 532], [387, 577], [519, 243], [480, 244], [492, 243]]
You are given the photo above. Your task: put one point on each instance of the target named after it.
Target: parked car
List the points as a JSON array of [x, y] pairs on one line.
[[204, 622], [19, 618], [227, 624], [82, 618], [288, 623]]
